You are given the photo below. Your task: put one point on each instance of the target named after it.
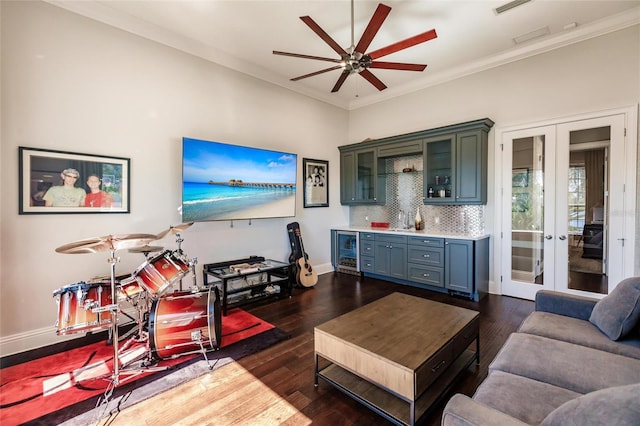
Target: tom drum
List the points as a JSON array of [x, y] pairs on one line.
[[181, 322], [79, 307], [159, 273]]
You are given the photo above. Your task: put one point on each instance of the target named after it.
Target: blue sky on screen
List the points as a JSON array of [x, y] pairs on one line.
[[219, 162]]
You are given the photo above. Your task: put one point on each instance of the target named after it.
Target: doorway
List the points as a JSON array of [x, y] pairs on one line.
[[564, 203]]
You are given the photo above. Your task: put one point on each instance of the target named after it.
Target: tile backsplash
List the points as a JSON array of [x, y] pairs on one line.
[[405, 196]]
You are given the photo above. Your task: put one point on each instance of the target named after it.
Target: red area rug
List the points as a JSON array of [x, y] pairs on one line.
[[58, 387]]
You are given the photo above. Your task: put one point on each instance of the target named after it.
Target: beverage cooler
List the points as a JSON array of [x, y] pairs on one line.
[[344, 252]]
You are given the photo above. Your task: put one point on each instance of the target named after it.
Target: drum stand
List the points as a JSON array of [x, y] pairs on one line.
[[117, 373]]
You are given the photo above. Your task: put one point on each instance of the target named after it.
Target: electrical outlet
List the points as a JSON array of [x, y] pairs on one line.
[[436, 220]]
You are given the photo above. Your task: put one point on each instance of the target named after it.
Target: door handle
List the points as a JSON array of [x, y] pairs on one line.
[[548, 237], [562, 237]]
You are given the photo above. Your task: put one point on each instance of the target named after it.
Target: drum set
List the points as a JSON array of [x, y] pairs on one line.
[[168, 323]]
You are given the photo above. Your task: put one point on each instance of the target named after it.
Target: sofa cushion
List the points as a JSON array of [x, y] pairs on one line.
[[567, 365], [570, 305], [619, 312], [578, 331], [528, 400], [464, 411], [618, 405]]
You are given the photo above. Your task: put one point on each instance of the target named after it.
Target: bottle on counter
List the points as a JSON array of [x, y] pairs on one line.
[[430, 193], [419, 223]]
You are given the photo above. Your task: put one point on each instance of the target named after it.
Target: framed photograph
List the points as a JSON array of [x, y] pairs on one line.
[[316, 182], [520, 178], [69, 182]]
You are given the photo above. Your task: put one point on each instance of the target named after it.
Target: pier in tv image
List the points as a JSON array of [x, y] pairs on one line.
[[229, 182]]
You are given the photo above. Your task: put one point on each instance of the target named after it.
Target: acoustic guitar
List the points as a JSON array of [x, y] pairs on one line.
[[306, 274]]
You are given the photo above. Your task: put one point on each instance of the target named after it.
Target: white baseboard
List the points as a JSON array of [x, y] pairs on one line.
[[325, 268], [32, 339]]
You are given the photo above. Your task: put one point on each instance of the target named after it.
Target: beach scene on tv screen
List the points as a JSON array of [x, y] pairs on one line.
[[228, 182]]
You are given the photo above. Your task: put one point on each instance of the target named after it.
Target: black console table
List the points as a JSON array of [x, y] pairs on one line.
[[249, 280]]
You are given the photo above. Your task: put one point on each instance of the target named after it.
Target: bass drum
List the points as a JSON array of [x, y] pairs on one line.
[[183, 321]]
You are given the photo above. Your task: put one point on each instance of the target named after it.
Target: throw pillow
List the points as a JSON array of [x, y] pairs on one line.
[[618, 313], [612, 406]]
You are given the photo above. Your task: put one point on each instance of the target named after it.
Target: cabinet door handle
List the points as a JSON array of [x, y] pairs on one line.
[[426, 255], [425, 275], [548, 237], [562, 237]]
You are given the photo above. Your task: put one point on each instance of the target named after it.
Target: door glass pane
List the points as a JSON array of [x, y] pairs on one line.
[[366, 176], [588, 209], [527, 210]]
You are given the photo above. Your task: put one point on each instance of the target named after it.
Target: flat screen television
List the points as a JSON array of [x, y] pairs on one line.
[[230, 182]]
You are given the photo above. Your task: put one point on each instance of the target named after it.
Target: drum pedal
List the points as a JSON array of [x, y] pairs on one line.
[[196, 336]]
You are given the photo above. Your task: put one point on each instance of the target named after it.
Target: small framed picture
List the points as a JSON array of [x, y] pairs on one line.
[[316, 182], [68, 182]]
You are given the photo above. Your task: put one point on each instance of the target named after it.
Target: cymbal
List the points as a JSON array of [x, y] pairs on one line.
[[174, 230], [106, 243], [145, 249]]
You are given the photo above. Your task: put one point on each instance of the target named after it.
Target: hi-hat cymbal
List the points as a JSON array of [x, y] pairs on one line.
[[174, 230], [106, 243], [146, 249]]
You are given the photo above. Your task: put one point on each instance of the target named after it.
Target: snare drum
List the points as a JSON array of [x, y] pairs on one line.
[[127, 287], [79, 307], [181, 322], [161, 272]]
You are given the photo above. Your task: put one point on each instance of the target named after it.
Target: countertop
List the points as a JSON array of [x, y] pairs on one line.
[[414, 233]]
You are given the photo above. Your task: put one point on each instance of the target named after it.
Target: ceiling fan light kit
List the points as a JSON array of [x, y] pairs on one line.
[[355, 60]]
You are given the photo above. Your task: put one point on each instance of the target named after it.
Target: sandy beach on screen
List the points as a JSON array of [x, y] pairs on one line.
[[273, 209]]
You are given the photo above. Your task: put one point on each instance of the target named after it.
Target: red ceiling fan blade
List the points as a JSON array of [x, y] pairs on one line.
[[397, 66], [337, 67], [411, 41], [374, 25], [298, 55], [323, 35], [373, 79], [340, 81]]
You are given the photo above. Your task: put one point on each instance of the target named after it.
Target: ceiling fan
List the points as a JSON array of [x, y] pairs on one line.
[[354, 59]]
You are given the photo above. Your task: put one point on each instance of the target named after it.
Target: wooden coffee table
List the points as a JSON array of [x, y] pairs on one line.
[[397, 355]]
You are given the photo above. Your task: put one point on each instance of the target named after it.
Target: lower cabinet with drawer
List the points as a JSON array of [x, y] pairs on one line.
[[453, 265], [425, 260]]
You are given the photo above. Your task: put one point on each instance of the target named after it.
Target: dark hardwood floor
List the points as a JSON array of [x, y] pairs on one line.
[[275, 386]]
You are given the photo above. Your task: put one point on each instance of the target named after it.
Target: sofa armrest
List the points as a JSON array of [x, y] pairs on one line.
[[565, 304], [464, 411]]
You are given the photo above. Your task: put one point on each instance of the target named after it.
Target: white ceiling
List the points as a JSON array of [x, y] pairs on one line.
[[241, 34]]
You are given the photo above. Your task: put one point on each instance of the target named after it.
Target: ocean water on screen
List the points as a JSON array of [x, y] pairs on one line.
[[204, 201]]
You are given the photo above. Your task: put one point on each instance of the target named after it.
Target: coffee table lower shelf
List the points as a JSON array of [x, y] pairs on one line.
[[390, 406]]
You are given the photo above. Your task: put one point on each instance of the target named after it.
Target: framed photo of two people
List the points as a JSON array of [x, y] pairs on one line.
[[70, 182], [316, 182]]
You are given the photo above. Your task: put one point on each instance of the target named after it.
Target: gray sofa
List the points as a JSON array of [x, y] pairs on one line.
[[574, 361]]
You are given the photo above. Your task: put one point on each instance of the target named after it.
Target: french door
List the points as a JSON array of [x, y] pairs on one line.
[[543, 209]]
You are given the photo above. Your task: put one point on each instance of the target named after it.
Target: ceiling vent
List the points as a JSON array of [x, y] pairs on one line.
[[540, 32], [510, 5]]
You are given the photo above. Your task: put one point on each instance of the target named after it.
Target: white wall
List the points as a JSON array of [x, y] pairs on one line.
[[595, 75], [71, 84]]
